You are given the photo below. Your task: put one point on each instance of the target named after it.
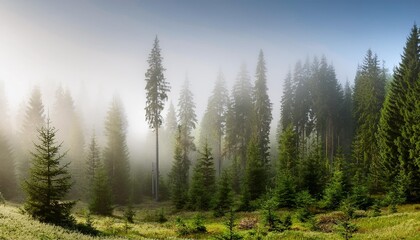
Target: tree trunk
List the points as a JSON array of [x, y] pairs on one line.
[[157, 165]]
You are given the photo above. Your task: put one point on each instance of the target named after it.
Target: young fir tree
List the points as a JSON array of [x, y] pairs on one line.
[[287, 168], [334, 193], [49, 181], [224, 195], [116, 152], [101, 195], [203, 181], [262, 109], [157, 89], [93, 162], [256, 171], [394, 134], [178, 176]]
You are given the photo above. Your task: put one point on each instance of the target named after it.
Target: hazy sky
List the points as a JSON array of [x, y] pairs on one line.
[[102, 46]]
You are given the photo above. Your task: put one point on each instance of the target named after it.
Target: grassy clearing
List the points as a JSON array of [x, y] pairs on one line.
[[14, 225]]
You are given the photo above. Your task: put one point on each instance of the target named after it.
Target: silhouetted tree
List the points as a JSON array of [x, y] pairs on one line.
[[116, 152], [156, 95]]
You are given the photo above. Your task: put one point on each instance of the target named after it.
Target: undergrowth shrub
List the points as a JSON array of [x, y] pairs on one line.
[[230, 224], [197, 226], [129, 214]]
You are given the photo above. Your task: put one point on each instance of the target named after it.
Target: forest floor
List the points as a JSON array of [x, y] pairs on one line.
[[405, 224]]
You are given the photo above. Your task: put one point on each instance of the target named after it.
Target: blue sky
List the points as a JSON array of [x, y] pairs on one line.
[[103, 45]]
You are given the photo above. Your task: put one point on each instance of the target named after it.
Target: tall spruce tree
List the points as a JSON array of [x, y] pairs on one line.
[[347, 120], [239, 120], [394, 136], [48, 182], [203, 184], [214, 120], [262, 109], [116, 152], [327, 99], [187, 121], [287, 98], [369, 95], [157, 89]]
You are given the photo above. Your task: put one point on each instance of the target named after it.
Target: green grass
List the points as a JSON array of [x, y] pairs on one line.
[[405, 224]]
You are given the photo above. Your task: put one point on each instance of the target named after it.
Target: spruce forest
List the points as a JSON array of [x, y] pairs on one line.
[[336, 160]]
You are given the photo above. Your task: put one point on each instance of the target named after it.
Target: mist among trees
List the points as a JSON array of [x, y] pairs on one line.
[[332, 144]]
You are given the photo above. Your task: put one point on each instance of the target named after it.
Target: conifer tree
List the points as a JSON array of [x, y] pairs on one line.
[[157, 89], [187, 119], [262, 109], [369, 94], [116, 152], [398, 113], [214, 120], [287, 167], [224, 194], [93, 162], [49, 181], [203, 181], [171, 122], [255, 173], [347, 120], [101, 195], [327, 99], [288, 152], [239, 119], [286, 117], [178, 177], [334, 193]]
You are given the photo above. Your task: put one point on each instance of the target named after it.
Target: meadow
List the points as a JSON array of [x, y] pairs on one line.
[[160, 221]]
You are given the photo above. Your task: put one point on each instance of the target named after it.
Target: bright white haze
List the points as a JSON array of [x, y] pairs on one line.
[[100, 48]]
